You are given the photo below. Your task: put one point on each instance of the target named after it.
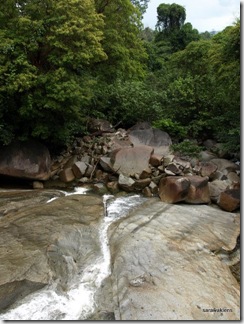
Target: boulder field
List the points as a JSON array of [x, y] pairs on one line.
[[137, 160]]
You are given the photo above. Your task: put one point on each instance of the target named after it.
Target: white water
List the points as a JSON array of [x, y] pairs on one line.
[[78, 302], [77, 191]]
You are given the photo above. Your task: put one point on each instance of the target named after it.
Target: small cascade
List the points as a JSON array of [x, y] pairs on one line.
[[78, 302]]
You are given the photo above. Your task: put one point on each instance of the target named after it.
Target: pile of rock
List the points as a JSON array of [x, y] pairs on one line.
[[137, 160], [140, 161]]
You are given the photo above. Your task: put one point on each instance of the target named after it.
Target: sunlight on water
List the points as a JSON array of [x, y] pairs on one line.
[[78, 302]]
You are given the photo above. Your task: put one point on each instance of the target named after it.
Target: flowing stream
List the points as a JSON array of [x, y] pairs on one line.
[[78, 302]]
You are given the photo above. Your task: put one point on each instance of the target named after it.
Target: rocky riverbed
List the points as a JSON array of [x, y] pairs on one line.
[[166, 262], [118, 227]]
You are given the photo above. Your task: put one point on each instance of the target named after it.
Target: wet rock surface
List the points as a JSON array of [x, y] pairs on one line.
[[41, 243], [168, 262], [165, 265]]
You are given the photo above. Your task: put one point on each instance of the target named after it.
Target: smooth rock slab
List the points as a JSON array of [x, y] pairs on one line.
[[45, 242], [163, 267]]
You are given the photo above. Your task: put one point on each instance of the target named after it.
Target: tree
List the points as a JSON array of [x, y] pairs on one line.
[[170, 17], [203, 88], [206, 35], [129, 102], [122, 43], [45, 49], [141, 5], [225, 60], [190, 89], [186, 35], [172, 33], [147, 34]]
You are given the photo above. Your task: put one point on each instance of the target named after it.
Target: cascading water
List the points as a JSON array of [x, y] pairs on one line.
[[78, 302]]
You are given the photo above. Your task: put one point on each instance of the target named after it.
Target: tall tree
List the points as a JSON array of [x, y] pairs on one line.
[[203, 88], [141, 4], [171, 17], [122, 42], [225, 60], [172, 33], [45, 49], [190, 90]]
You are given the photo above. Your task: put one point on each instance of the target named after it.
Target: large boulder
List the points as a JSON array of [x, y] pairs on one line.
[[164, 264], [27, 160], [207, 169], [229, 199], [155, 138], [173, 189], [225, 165], [191, 189], [131, 161], [198, 192], [46, 242], [216, 187]]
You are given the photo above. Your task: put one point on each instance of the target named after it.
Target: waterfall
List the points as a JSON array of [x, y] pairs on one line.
[[78, 302]]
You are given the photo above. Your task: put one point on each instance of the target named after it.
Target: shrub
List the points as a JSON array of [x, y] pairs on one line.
[[187, 148], [174, 129]]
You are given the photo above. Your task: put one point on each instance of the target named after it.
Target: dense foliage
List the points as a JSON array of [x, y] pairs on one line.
[[62, 61], [45, 48]]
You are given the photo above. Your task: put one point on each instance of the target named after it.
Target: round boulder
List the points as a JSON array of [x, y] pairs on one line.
[[27, 160]]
